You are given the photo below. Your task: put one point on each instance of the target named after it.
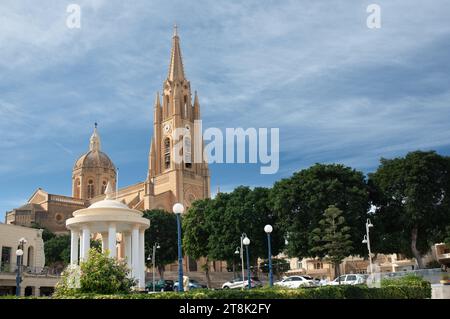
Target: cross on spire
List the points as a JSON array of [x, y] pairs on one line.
[[176, 70]]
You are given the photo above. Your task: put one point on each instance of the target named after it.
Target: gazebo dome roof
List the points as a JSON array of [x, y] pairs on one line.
[[109, 203]]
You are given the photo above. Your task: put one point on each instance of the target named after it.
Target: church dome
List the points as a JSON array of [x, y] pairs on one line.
[[94, 158]]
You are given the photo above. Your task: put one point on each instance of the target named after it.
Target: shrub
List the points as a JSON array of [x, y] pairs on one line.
[[328, 292], [99, 274]]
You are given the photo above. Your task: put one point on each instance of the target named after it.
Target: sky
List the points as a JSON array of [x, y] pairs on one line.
[[339, 91]]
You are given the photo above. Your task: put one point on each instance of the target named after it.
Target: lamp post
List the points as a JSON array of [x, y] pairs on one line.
[[178, 209], [366, 240], [19, 254], [244, 235], [246, 242], [268, 229], [155, 246], [236, 252]]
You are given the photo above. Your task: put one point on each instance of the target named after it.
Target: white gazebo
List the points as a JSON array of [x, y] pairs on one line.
[[110, 217]]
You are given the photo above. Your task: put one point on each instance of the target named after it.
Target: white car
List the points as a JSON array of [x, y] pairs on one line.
[[296, 282], [239, 283], [351, 279]]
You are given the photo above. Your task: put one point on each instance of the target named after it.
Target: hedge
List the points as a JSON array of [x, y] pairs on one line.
[[409, 287], [327, 292]]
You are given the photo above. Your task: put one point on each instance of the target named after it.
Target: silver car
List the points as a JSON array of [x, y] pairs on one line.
[[239, 283], [350, 279]]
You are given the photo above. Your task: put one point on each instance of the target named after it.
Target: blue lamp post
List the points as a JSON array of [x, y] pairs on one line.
[[268, 229], [19, 254], [246, 242], [178, 209]]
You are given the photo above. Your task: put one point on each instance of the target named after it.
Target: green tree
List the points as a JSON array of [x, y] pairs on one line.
[[301, 199], [242, 210], [57, 251], [411, 194], [162, 230], [213, 228], [196, 232], [331, 240], [100, 274]]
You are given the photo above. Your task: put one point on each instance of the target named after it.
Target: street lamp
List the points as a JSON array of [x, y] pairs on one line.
[[241, 252], [153, 259], [246, 242], [366, 240], [155, 246], [178, 209], [19, 254], [268, 229]]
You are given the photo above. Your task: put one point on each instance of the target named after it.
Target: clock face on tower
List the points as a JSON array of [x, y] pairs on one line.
[[167, 128]]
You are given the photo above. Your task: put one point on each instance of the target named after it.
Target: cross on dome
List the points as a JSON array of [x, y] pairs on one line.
[[94, 144]]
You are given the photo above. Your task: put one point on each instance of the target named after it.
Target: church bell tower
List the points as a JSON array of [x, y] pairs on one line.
[[169, 180]]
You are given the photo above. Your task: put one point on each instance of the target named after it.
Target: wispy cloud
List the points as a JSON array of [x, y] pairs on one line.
[[339, 91]]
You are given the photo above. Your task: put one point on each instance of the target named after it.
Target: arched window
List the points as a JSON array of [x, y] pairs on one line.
[[77, 187], [167, 153], [104, 186], [167, 106], [30, 257], [187, 152], [185, 107], [90, 189]]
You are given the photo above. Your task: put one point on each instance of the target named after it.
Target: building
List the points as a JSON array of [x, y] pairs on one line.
[[36, 279], [167, 182], [442, 252]]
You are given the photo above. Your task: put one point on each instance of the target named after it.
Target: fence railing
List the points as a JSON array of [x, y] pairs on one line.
[[433, 275], [29, 270]]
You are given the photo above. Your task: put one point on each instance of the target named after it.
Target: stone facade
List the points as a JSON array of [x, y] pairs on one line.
[[35, 281]]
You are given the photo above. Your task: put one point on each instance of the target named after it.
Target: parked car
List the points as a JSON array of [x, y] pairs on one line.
[[193, 284], [296, 282], [160, 285], [350, 279], [239, 283]]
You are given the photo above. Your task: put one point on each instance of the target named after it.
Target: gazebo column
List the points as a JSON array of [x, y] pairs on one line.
[[74, 236], [105, 245], [112, 240], [86, 242], [128, 248], [141, 259], [135, 252]]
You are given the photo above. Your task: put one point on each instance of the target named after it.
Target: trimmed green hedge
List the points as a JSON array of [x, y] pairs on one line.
[[409, 287], [328, 292]]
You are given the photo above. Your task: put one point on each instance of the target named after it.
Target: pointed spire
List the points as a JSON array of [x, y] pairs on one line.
[[196, 107], [176, 70], [94, 144], [109, 191], [152, 159], [196, 99], [157, 102]]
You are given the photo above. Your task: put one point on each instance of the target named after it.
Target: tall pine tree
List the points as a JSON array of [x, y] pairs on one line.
[[331, 240]]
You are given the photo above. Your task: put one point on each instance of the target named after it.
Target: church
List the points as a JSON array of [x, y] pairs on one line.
[[168, 181]]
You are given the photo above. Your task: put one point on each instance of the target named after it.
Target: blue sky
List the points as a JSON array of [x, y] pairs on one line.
[[338, 91]]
